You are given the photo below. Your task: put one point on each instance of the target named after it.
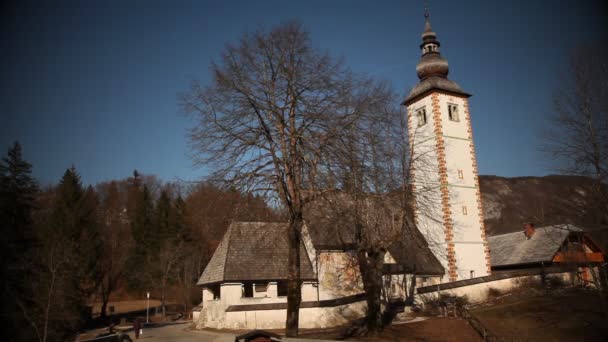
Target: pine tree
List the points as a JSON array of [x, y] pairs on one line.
[[67, 255], [18, 190], [139, 277]]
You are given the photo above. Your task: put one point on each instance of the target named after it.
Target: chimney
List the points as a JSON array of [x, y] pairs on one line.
[[528, 230]]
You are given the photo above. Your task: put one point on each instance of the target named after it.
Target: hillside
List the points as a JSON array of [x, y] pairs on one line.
[[510, 202]]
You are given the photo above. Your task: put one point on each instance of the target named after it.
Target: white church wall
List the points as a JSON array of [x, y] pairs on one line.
[[466, 232], [338, 275], [275, 319], [230, 293], [310, 248], [309, 292], [207, 294]]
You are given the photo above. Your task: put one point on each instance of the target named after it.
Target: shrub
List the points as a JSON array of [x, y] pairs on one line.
[[493, 292]]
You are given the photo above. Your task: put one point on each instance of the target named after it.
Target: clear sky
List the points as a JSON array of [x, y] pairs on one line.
[[94, 83]]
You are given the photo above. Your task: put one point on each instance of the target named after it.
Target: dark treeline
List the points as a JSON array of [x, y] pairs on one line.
[[66, 246]]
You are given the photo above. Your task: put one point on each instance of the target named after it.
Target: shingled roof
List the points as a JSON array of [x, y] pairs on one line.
[[414, 254], [331, 225], [253, 251], [515, 249]]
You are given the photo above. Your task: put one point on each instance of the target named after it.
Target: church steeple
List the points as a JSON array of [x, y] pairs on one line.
[[431, 63], [445, 166], [432, 69]]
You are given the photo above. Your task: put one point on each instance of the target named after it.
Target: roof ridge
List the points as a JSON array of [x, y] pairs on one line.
[[227, 236]]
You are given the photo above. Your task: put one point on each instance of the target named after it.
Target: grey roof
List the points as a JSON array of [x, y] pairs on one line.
[[515, 249], [434, 83], [253, 251], [331, 225], [414, 254], [330, 222]]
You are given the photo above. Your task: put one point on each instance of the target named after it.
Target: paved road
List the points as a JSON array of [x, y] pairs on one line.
[[180, 333], [183, 333]]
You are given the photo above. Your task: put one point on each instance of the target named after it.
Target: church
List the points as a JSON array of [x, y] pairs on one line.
[[244, 284]]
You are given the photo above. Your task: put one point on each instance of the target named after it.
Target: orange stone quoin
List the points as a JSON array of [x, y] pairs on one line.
[[477, 191], [445, 194]]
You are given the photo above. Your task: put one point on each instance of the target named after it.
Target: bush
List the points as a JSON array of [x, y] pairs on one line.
[[493, 292], [436, 306]]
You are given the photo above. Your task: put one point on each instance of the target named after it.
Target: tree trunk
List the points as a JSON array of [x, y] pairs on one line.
[[162, 300], [411, 292], [294, 294], [105, 299], [104, 305], [48, 307], [370, 264]]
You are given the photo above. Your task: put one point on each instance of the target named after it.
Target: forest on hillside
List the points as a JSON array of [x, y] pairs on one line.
[[67, 245]]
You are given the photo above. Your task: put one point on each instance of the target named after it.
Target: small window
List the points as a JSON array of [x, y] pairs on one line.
[[460, 174], [421, 116], [261, 287], [282, 288], [464, 210], [453, 112], [216, 291], [472, 273], [248, 290]]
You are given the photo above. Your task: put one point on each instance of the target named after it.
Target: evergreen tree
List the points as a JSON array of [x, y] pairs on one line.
[[139, 276], [164, 228], [18, 190], [68, 255]]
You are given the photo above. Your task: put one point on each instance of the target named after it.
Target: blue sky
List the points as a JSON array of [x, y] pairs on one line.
[[94, 83]]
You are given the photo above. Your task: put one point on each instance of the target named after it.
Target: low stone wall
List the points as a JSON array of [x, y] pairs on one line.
[[319, 314], [478, 290]]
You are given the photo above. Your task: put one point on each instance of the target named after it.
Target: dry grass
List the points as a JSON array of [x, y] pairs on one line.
[[567, 315], [121, 307]]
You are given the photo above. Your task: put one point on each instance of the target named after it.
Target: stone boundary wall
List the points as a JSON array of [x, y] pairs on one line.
[[320, 314], [477, 289], [313, 314]]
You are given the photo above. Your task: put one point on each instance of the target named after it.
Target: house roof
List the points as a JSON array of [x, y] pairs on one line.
[[434, 83], [253, 251], [414, 254], [330, 222], [514, 248]]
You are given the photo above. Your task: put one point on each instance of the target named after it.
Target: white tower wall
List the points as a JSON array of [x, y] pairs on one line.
[[446, 186]]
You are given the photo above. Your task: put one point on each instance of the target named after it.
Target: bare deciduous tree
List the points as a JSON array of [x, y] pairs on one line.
[[115, 236], [274, 104], [372, 163], [578, 137]]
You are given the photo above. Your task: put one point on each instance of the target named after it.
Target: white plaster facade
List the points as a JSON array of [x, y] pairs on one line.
[[213, 312], [444, 160], [338, 278]]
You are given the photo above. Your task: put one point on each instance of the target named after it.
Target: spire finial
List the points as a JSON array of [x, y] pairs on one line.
[[426, 10]]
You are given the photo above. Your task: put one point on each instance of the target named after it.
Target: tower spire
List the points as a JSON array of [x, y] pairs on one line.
[[431, 63], [432, 69]]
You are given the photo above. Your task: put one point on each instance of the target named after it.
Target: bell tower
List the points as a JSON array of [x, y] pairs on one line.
[[448, 208]]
